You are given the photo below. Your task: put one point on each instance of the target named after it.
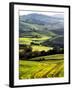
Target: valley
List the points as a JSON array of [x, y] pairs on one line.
[[41, 46]]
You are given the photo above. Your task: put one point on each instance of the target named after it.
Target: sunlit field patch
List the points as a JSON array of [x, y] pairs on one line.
[[40, 48], [42, 69]]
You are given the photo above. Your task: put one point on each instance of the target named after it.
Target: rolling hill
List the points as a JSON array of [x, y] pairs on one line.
[[57, 41], [41, 24], [38, 25]]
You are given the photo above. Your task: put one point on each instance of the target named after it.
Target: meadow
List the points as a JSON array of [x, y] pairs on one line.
[[37, 46], [51, 67]]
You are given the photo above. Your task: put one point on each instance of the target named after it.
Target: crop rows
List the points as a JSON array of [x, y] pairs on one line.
[[33, 69]]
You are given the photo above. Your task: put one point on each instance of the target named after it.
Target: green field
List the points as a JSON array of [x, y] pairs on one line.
[[41, 46], [52, 66], [48, 66], [28, 40], [38, 47]]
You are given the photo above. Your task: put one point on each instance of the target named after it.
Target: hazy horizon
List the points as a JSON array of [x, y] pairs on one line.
[[21, 13]]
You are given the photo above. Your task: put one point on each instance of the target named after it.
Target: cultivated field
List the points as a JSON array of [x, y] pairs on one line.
[[51, 66]]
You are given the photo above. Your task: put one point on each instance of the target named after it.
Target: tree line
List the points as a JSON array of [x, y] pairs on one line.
[[27, 52]]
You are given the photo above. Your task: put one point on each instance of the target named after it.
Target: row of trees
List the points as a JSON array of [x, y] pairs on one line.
[[27, 52]]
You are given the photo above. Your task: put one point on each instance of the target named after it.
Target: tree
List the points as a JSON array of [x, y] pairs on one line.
[[43, 52]]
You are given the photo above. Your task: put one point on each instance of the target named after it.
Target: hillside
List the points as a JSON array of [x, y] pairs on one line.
[[40, 24], [57, 41]]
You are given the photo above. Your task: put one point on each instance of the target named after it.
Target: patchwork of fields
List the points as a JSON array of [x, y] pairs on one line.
[[41, 46], [37, 41], [49, 66], [28, 40], [52, 66]]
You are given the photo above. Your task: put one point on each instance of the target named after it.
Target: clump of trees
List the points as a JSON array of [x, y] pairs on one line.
[[27, 52], [32, 43]]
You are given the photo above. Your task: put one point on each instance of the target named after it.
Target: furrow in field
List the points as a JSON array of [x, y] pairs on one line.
[[44, 71], [55, 71], [58, 70], [53, 68], [41, 67]]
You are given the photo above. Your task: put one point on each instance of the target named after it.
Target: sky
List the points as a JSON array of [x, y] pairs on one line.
[[40, 12]]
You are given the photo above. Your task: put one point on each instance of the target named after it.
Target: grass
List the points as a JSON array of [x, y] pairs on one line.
[[42, 69], [50, 57], [50, 66], [36, 40], [26, 40], [40, 48]]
